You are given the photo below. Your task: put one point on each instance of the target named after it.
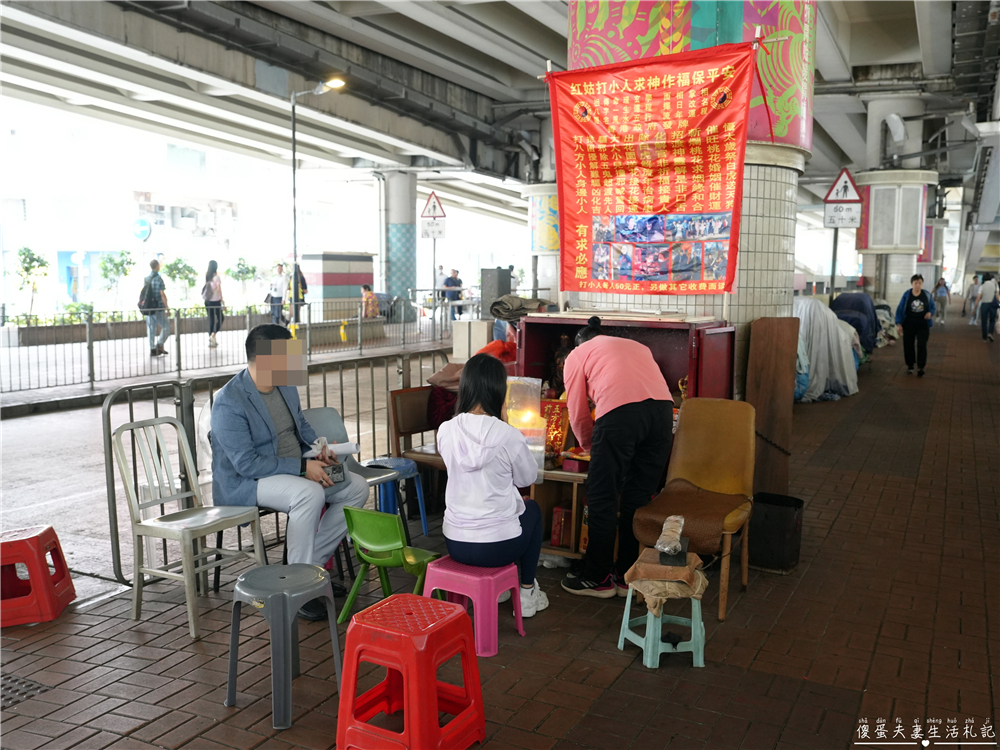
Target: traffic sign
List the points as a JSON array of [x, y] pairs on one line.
[[433, 208], [842, 205], [843, 189], [432, 229], [141, 228]]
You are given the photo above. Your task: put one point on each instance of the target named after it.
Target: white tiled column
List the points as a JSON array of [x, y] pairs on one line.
[[765, 263]]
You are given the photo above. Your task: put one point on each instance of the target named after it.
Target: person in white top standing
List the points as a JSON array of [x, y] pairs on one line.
[[486, 521], [970, 298], [988, 293], [279, 282]]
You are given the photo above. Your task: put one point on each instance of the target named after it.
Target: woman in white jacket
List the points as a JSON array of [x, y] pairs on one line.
[[486, 522]]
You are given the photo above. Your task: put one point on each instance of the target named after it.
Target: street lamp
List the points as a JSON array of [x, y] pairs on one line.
[[322, 88]]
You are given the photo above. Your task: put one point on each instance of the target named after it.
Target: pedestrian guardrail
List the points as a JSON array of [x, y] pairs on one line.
[[43, 351]]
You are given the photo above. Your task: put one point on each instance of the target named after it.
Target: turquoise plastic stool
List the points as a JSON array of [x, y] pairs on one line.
[[388, 492], [652, 646]]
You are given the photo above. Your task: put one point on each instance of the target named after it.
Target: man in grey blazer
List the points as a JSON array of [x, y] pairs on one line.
[[258, 437]]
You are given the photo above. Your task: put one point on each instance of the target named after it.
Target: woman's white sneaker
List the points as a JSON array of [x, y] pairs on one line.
[[533, 600]]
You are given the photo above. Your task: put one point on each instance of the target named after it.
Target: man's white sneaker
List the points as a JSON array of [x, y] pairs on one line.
[[533, 600]]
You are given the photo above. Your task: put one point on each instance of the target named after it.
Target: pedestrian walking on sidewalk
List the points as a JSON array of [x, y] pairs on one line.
[[212, 294], [986, 304], [970, 300], [942, 298], [914, 318], [278, 283], [157, 321]]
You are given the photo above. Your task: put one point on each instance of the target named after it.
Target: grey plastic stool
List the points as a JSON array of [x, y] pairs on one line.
[[279, 591]]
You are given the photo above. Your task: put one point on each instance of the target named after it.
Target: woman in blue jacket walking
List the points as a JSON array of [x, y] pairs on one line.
[[914, 318]]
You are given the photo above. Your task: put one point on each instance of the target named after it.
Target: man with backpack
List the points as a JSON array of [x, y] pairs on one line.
[[153, 304]]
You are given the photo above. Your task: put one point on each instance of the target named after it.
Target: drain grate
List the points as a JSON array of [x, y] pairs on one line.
[[13, 690]]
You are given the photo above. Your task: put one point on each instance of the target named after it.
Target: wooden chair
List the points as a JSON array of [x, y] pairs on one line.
[[709, 482], [408, 417]]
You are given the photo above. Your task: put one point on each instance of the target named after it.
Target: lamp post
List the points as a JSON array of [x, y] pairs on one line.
[[322, 88]]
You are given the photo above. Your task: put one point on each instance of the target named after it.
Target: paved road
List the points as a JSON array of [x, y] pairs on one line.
[[53, 469]]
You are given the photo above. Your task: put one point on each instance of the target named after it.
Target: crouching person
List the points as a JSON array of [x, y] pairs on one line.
[[258, 437]]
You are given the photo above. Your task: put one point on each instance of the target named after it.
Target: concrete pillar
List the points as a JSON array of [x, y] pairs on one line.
[[881, 145], [543, 217], [401, 232]]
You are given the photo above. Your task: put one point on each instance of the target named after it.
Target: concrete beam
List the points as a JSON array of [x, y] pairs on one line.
[[843, 118], [391, 45], [934, 32], [833, 40], [458, 26], [553, 14]]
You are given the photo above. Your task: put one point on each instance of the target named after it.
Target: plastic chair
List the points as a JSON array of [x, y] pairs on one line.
[[652, 644], [411, 636], [43, 596], [188, 526], [404, 468], [379, 540], [482, 586], [278, 592]]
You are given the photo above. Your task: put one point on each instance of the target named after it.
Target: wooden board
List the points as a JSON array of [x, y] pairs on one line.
[[771, 391]]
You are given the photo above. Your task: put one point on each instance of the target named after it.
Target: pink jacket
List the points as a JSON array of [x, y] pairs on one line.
[[611, 372]]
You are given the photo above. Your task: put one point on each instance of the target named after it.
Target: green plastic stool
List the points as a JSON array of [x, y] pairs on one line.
[[380, 540], [652, 645]]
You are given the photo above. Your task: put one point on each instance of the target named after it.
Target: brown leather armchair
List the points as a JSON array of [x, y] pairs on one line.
[[709, 482]]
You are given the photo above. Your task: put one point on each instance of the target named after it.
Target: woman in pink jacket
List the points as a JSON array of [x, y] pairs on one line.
[[629, 446]]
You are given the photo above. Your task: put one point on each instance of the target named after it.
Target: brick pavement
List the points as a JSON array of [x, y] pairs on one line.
[[891, 613]]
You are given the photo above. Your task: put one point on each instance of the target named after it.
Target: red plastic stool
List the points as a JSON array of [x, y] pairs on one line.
[[42, 597], [411, 636]]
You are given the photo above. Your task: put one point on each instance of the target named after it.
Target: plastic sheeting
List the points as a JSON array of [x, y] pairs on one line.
[[828, 345]]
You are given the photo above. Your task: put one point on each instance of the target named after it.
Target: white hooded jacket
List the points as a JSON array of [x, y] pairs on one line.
[[487, 461]]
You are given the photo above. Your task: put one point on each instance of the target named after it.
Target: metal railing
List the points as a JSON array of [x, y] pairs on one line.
[[42, 351], [357, 388]]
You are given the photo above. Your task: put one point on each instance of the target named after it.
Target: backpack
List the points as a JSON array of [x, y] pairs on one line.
[[144, 302], [206, 291]]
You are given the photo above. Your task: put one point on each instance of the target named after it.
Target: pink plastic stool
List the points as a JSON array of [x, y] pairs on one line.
[[483, 586]]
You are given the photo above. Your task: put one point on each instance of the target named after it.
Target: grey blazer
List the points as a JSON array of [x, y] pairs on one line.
[[245, 443]]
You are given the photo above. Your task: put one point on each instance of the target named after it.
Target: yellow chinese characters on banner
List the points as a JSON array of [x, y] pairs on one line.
[[649, 162]]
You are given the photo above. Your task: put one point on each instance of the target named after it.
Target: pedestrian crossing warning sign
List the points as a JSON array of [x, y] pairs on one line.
[[843, 190], [433, 209]]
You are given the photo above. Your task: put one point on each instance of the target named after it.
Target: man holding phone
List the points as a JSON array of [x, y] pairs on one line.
[[259, 436]]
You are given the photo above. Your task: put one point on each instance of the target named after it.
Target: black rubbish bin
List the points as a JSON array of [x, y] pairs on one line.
[[775, 532]]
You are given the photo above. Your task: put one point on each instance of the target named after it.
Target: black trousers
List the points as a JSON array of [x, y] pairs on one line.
[[628, 454], [214, 316], [915, 344]]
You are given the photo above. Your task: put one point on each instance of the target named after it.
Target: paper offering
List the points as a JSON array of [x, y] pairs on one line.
[[337, 449]]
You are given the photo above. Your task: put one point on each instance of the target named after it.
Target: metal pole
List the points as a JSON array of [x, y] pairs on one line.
[[833, 267], [177, 338], [90, 349], [361, 310], [308, 338], [295, 226], [434, 292]]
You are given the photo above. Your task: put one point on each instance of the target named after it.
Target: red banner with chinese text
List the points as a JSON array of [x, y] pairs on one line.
[[649, 166]]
